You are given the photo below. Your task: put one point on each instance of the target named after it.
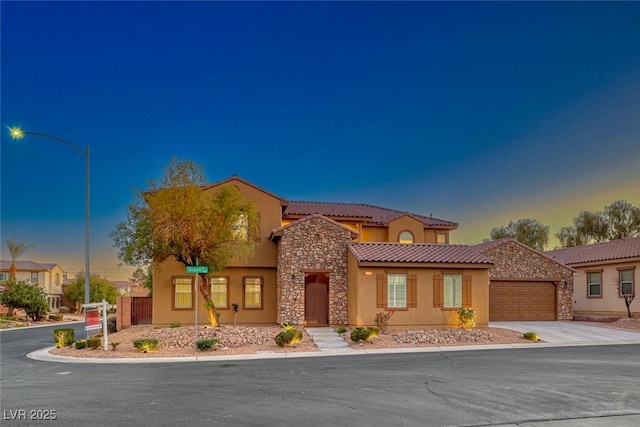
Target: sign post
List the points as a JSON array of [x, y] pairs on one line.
[[92, 320], [196, 269]]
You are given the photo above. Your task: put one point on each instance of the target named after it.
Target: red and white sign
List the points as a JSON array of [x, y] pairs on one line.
[[92, 319]]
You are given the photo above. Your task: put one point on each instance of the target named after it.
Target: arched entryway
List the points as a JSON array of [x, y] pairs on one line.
[[316, 299]]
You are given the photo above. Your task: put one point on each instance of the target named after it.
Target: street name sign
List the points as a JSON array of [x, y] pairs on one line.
[[197, 269]]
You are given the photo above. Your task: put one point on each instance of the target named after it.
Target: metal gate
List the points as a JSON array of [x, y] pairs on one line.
[[141, 309]]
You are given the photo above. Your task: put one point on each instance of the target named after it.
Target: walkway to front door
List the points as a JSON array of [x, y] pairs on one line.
[[316, 299]]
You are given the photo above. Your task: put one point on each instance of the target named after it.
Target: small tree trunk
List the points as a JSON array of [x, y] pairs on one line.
[[211, 308], [627, 302], [12, 270]]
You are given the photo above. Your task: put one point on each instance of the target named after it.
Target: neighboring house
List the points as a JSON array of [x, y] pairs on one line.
[[319, 263], [47, 275], [605, 272], [526, 284], [130, 289]]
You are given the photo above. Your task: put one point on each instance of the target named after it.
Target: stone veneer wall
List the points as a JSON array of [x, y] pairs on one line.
[[514, 261], [311, 245]]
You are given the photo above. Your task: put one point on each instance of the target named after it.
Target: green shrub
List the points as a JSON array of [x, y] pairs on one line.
[[341, 330], [364, 334], [64, 336], [94, 342], [289, 337], [146, 344], [532, 336], [175, 324], [81, 344], [206, 344], [114, 345], [466, 318]]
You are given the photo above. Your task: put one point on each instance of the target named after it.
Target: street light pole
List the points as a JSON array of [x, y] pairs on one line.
[[17, 133]]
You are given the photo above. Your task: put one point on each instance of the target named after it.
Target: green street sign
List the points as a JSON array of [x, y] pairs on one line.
[[197, 269]]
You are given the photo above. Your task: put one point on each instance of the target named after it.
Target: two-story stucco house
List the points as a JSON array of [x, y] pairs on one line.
[[319, 263], [47, 275], [605, 271]]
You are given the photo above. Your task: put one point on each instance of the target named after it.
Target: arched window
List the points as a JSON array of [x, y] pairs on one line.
[[405, 237]]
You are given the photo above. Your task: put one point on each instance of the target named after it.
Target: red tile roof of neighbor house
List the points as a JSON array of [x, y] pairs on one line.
[[368, 213], [27, 266], [607, 251], [417, 253]]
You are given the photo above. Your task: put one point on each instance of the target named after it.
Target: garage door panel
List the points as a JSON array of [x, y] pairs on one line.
[[522, 301]]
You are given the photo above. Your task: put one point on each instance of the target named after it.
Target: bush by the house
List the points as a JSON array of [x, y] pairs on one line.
[[64, 337], [466, 318], [94, 342], [146, 344], [364, 334], [81, 344], [382, 320], [289, 337], [175, 324], [531, 336], [341, 330], [206, 344]]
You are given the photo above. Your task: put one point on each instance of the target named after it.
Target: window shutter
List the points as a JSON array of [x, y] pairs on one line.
[[466, 291], [381, 290], [438, 288], [412, 290]]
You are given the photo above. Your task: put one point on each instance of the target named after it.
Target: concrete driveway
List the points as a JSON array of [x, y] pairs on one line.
[[568, 332]]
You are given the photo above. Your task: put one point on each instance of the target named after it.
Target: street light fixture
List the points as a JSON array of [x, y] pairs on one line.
[[17, 133]]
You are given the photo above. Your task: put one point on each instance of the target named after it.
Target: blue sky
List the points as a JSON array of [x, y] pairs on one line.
[[479, 113]]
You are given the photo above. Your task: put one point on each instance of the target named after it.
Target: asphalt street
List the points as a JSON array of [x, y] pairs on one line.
[[547, 386]]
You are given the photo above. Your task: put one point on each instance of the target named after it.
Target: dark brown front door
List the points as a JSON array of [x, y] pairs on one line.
[[316, 300]]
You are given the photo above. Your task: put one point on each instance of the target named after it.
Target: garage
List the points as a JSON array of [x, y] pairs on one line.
[[522, 300]]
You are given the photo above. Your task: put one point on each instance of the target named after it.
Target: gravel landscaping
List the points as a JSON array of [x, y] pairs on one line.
[[237, 340]]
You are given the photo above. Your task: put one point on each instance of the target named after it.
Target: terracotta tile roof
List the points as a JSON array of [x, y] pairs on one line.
[[417, 253], [368, 213], [24, 266], [607, 251]]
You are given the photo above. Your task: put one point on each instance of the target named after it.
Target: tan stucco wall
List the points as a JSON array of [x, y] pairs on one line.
[[270, 212], [164, 314], [374, 234], [406, 223], [362, 297], [610, 303]]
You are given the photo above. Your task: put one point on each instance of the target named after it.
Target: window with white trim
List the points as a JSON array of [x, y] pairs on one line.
[[252, 292], [220, 292], [396, 290], [182, 293], [406, 237], [626, 282], [594, 284], [452, 290]]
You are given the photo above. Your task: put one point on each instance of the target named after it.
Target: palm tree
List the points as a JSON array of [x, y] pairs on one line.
[[16, 250]]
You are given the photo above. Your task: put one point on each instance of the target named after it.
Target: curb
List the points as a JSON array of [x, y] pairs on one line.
[[43, 355]]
